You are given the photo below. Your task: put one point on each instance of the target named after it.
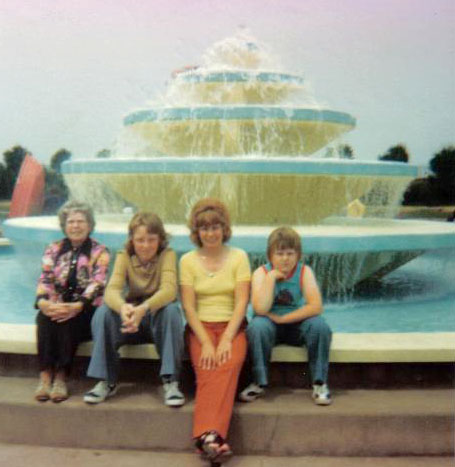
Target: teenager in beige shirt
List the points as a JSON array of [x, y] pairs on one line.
[[139, 307]]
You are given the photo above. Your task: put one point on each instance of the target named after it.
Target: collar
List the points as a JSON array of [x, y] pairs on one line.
[[137, 264], [85, 248]]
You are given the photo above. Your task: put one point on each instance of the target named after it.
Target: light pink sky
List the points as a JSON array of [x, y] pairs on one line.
[[71, 70]]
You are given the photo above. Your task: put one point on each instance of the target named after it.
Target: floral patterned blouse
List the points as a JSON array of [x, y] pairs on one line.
[[89, 273]]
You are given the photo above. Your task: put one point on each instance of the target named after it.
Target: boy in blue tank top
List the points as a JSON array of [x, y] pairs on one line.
[[287, 305]]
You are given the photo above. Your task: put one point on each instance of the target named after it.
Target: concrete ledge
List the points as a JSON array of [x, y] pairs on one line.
[[285, 422], [346, 348]]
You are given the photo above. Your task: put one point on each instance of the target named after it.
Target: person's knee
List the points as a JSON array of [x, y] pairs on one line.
[[258, 326], [171, 315], [110, 319], [317, 325]]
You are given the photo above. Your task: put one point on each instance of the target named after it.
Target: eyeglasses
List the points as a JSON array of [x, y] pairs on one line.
[[76, 222], [210, 228]]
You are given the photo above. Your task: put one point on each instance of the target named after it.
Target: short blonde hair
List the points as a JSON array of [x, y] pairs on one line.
[[209, 211], [282, 238], [153, 224]]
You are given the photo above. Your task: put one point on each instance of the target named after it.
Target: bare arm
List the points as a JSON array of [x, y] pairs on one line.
[[262, 288], [188, 297], [241, 296], [313, 299]]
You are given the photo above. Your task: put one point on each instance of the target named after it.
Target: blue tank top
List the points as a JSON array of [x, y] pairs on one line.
[[288, 292]]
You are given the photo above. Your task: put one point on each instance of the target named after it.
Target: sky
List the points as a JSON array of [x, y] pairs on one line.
[[70, 71]]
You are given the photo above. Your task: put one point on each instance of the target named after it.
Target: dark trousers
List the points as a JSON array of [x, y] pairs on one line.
[[57, 342]]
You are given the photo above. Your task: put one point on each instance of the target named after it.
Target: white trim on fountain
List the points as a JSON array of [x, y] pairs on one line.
[[346, 347]]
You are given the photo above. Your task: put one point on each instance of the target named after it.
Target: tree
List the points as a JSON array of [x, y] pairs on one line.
[[103, 154], [397, 153], [55, 192], [437, 189], [13, 160], [345, 151], [58, 158], [3, 182], [443, 164]]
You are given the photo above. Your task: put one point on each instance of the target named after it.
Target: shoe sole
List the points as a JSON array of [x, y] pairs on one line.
[[246, 398], [42, 398], [99, 401], [58, 399], [174, 403], [322, 402], [219, 459]]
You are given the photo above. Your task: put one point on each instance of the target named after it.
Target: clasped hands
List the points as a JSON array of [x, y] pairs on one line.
[[212, 357], [60, 312], [131, 317]]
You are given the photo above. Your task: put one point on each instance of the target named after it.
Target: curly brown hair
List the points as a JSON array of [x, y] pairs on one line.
[[282, 238], [153, 224], [209, 211]]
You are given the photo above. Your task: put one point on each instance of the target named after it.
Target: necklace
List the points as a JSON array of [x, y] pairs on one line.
[[218, 261]]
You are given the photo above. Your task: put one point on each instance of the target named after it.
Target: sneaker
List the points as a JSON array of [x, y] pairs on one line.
[[251, 393], [173, 397], [321, 394], [100, 392]]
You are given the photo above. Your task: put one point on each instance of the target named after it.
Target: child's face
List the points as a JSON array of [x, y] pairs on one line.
[[284, 259]]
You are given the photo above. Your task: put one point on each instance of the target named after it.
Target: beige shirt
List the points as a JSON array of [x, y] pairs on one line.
[[131, 282]]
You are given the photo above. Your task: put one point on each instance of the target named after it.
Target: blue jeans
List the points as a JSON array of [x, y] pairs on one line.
[[313, 333], [164, 329]]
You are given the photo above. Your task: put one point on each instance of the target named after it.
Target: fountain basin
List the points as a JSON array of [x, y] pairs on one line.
[[279, 190], [342, 251], [232, 130]]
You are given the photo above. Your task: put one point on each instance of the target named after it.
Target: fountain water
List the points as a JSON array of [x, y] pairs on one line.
[[240, 129]]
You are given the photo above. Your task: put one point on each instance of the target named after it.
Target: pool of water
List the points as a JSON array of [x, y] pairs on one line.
[[418, 297]]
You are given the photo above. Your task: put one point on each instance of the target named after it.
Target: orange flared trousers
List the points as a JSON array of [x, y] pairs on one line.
[[216, 388]]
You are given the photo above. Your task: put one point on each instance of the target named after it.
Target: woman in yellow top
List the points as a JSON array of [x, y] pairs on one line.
[[215, 284]]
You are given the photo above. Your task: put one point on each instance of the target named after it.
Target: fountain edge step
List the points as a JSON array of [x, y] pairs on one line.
[[359, 423]]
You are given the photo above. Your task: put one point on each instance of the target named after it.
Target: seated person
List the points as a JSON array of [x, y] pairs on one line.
[[139, 308], [215, 285], [287, 305], [70, 287]]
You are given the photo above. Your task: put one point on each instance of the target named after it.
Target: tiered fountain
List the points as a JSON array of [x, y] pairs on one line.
[[238, 129]]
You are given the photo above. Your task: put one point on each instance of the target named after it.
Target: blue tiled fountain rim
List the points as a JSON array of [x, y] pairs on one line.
[[241, 76], [250, 112], [255, 242], [234, 165]]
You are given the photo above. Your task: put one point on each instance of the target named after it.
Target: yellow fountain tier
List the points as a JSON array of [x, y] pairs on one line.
[[228, 131], [169, 188], [236, 87]]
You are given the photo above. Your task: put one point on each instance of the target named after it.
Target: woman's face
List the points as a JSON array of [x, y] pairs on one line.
[[145, 244], [77, 228], [211, 235]]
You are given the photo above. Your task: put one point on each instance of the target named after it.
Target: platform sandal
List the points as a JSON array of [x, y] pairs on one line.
[[212, 447]]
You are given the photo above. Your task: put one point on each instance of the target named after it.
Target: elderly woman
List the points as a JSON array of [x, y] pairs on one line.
[[139, 307], [70, 287], [215, 284]]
